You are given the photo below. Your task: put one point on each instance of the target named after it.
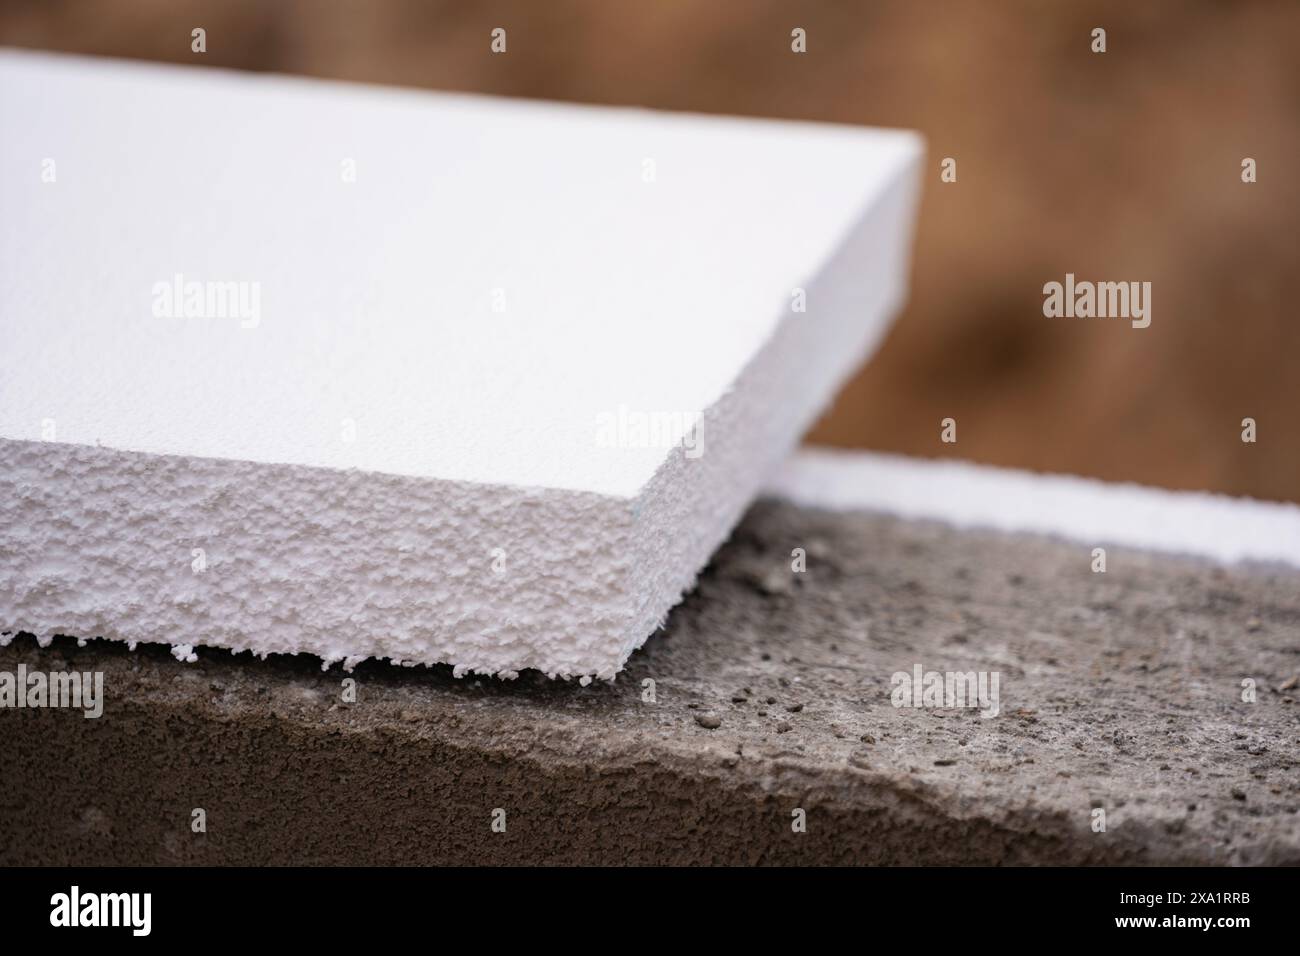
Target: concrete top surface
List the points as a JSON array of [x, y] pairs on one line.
[[771, 735]]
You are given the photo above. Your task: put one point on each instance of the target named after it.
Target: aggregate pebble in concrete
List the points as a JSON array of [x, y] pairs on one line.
[[1119, 692]]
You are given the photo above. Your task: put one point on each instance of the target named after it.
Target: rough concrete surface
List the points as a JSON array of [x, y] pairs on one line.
[[1119, 691]]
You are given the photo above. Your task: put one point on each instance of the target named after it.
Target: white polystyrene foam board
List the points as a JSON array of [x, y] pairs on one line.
[[412, 433], [966, 495]]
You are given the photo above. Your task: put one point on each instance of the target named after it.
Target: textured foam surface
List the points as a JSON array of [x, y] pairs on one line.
[[967, 495], [291, 366]]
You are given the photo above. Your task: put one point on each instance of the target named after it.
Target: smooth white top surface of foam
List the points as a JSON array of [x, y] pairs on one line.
[[1218, 527], [378, 299]]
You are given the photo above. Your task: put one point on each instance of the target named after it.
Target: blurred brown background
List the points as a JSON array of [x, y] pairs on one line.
[[1119, 166]]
